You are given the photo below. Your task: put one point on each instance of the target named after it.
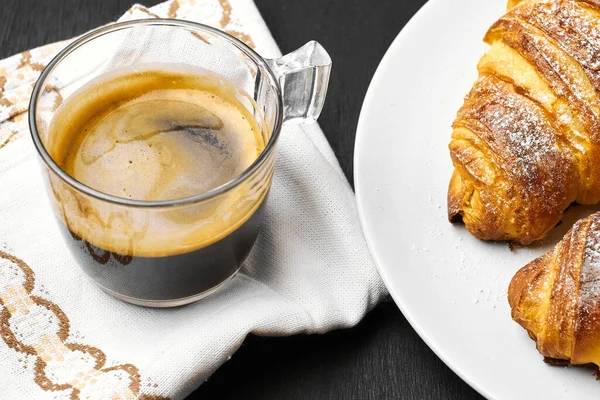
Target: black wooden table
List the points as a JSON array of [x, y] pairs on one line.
[[381, 358]]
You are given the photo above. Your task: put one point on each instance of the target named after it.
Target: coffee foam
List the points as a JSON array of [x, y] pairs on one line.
[[150, 141], [156, 135]]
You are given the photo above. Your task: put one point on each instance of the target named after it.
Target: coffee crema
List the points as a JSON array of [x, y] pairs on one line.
[[161, 133], [155, 135]]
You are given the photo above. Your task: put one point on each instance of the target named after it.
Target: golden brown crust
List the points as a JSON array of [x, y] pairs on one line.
[[509, 147], [556, 298], [456, 192], [573, 26], [526, 142], [548, 60]]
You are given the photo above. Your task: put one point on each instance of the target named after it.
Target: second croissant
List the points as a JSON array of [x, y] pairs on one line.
[[556, 297]]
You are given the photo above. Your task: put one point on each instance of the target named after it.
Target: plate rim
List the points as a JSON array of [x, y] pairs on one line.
[[361, 202]]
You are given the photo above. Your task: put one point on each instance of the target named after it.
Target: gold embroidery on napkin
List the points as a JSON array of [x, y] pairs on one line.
[[26, 61], [11, 136], [144, 10], [226, 19], [17, 77], [51, 348], [173, 9], [199, 36]]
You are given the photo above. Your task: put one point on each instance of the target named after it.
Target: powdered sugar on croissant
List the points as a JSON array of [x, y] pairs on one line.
[[526, 142]]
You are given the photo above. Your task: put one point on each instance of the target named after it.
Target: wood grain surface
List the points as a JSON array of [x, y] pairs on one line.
[[381, 358]]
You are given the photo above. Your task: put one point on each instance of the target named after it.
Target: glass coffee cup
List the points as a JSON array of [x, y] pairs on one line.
[[170, 252]]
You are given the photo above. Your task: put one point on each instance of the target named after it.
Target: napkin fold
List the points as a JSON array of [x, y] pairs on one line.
[[62, 337]]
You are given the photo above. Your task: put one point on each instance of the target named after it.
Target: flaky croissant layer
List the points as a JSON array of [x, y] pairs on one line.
[[526, 142], [556, 298]]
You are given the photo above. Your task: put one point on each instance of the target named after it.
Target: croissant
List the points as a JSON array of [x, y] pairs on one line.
[[556, 297], [526, 142]]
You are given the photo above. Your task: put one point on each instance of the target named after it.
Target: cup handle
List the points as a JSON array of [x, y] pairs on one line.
[[303, 76]]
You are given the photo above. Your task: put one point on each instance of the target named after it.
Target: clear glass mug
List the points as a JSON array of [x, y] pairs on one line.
[[170, 253]]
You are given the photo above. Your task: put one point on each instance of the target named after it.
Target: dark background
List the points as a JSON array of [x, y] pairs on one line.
[[381, 358]]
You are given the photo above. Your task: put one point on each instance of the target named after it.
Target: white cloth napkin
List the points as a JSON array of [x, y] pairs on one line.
[[64, 338]]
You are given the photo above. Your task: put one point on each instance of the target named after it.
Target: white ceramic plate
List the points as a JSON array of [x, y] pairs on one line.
[[449, 285]]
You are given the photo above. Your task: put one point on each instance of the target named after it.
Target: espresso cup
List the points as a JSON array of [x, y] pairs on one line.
[[165, 253]]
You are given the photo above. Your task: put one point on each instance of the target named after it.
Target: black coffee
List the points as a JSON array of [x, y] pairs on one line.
[[167, 278], [154, 135]]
